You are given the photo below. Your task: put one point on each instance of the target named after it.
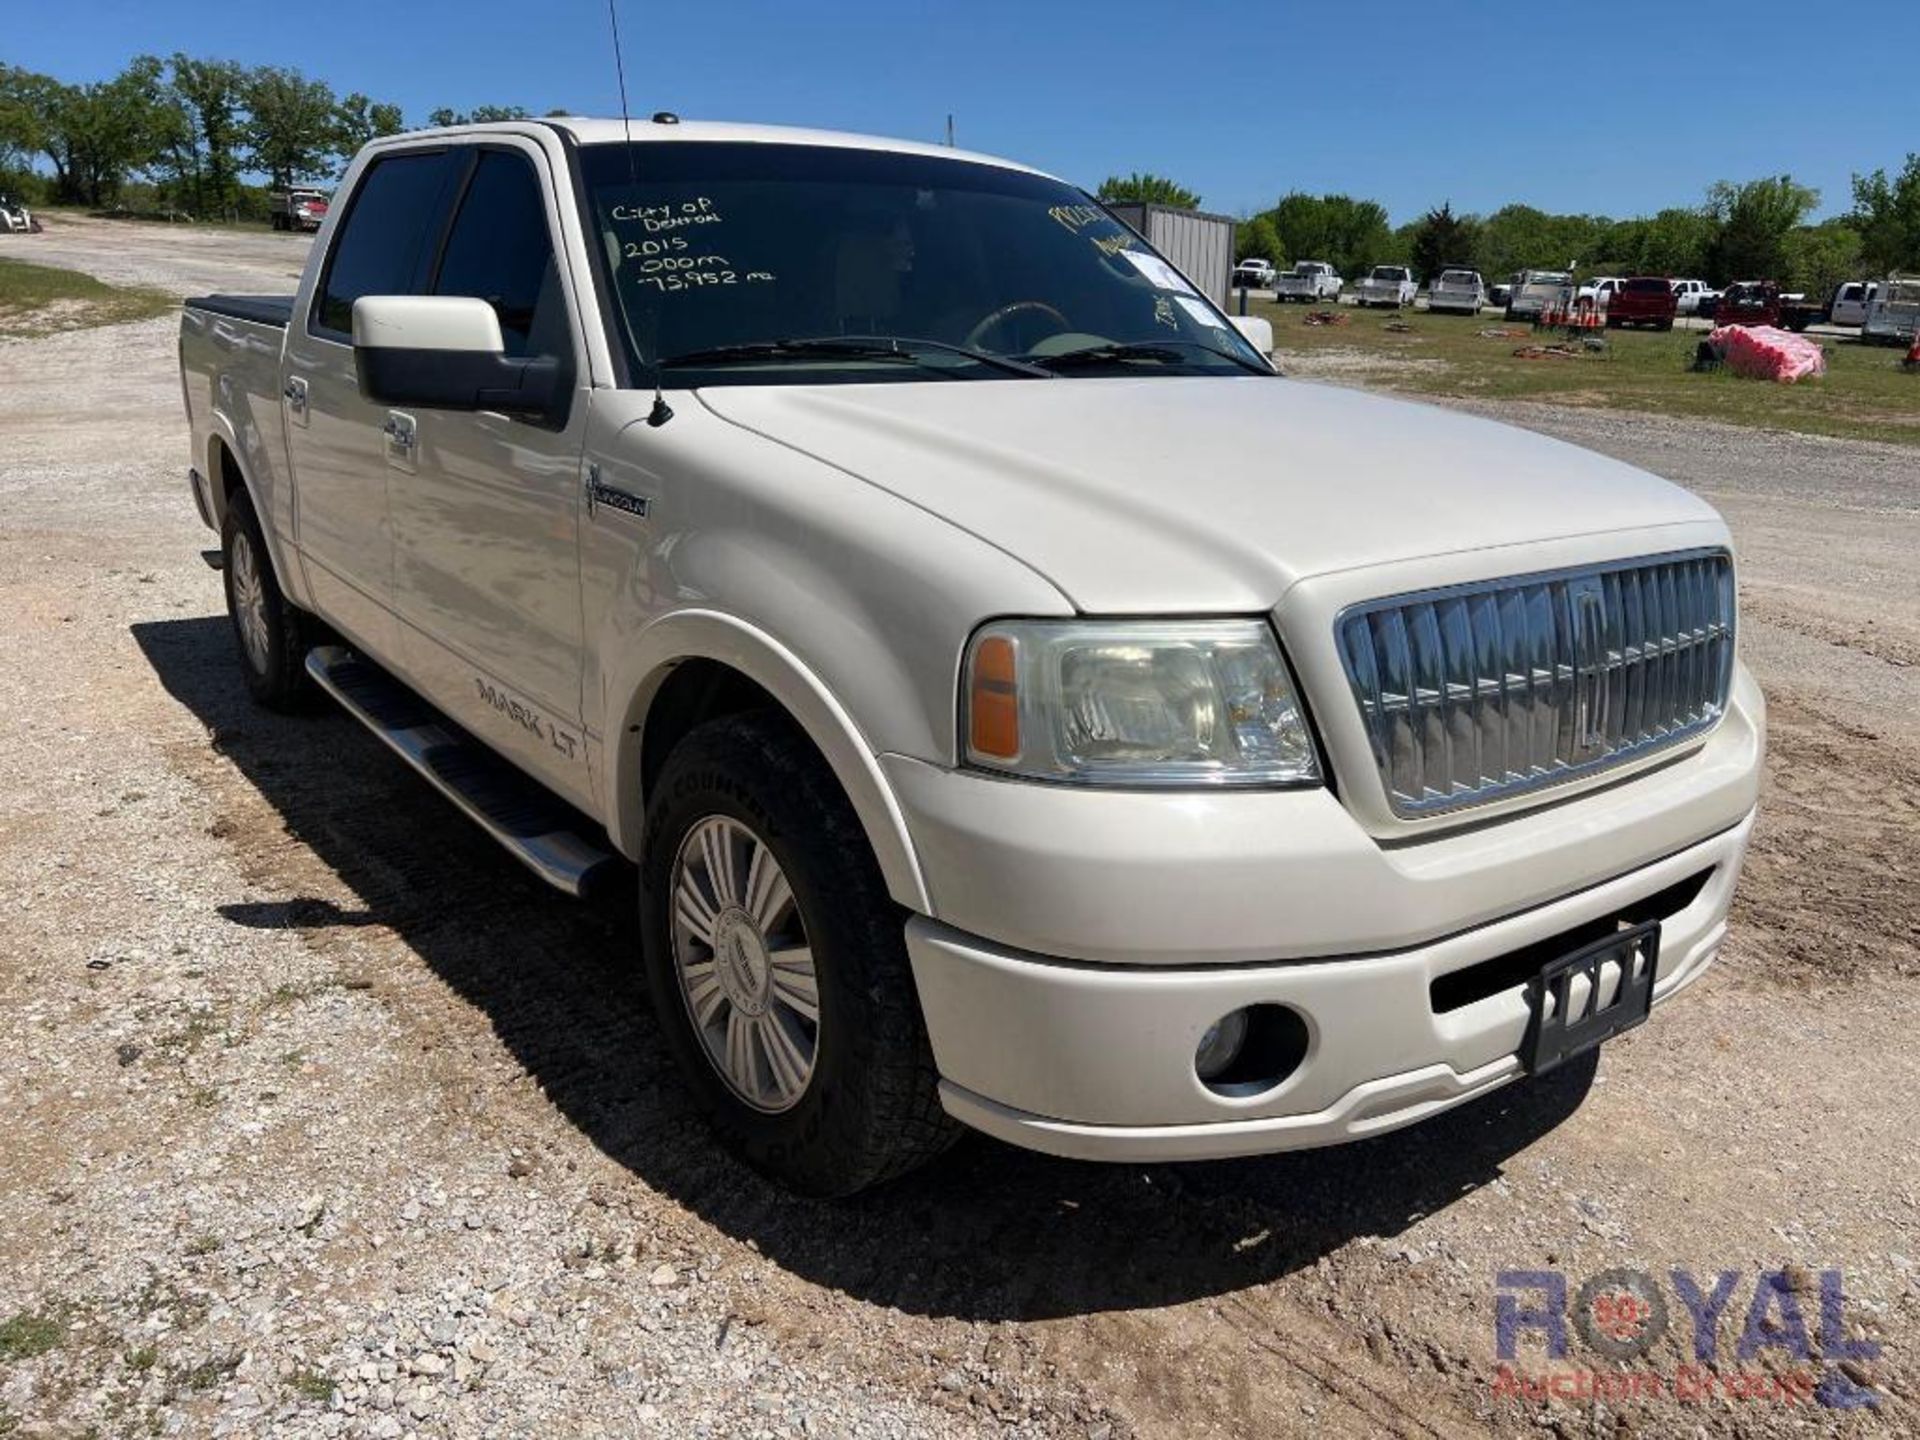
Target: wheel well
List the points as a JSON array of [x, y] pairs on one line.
[[226, 474], [695, 692]]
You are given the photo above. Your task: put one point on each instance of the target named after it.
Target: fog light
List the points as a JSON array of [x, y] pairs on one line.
[[1221, 1045]]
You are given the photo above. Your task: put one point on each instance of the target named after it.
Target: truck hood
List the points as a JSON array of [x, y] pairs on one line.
[[1191, 494]]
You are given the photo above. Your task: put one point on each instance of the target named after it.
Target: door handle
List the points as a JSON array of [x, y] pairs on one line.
[[295, 394]]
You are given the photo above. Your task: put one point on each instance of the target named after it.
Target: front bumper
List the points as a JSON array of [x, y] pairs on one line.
[[1082, 941], [1096, 1062]]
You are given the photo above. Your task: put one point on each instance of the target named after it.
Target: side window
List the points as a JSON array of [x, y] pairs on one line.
[[387, 235], [500, 251]]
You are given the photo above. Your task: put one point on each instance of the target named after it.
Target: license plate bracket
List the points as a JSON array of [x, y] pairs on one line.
[[1568, 1017]]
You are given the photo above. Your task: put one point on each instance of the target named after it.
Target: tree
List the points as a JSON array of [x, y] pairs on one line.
[[95, 136], [1819, 258], [1351, 235], [358, 119], [1440, 239], [1147, 189], [1519, 237], [1256, 239], [1674, 243], [1753, 222], [479, 115], [1887, 215], [291, 126], [212, 93]]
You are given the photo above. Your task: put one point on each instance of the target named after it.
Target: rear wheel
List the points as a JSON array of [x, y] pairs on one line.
[[271, 633], [778, 965]]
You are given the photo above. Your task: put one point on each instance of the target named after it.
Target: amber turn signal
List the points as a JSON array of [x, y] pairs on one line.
[[993, 700]]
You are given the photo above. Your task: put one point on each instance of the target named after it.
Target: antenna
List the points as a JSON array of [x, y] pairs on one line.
[[620, 69], [661, 411], [949, 131]]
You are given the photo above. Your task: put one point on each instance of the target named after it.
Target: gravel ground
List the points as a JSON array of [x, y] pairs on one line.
[[328, 1121]]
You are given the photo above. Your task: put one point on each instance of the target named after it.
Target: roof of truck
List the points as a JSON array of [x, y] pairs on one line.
[[646, 130]]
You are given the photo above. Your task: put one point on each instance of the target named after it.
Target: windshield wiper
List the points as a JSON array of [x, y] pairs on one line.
[[860, 347], [1165, 351]]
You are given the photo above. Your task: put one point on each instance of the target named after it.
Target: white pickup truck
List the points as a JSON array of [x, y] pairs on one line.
[[1461, 291], [1310, 281], [1024, 709], [1392, 286], [1893, 313], [1688, 295]]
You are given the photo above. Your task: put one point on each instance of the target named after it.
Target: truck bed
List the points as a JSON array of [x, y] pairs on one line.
[[274, 310]]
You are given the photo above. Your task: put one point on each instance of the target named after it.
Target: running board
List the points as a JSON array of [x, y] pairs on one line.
[[540, 831]]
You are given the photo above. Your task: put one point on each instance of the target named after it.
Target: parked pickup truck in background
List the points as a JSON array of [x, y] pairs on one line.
[[1850, 302], [1311, 281], [1537, 291], [1688, 296], [1253, 275], [1760, 302], [1599, 291], [1389, 285], [1643, 300], [1893, 314], [1461, 291], [1024, 709]]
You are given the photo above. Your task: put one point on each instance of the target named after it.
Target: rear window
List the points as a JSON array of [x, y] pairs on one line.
[[1459, 277], [1649, 287]]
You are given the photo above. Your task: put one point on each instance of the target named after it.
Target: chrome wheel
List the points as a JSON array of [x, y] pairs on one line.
[[249, 593], [745, 967]]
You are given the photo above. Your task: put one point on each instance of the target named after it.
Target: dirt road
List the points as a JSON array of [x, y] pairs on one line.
[[325, 1120]]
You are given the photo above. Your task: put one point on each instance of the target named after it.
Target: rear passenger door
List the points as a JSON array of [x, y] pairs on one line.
[[335, 443], [486, 520]]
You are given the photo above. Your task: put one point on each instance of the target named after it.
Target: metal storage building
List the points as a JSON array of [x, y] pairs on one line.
[[1200, 245]]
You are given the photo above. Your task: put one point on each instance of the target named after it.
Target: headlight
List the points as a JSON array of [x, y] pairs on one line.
[[1192, 703]]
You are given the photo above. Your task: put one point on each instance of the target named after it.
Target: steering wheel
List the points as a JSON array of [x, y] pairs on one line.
[[1005, 313]]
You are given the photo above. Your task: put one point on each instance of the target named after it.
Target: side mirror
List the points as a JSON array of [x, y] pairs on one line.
[[444, 352], [1256, 330]]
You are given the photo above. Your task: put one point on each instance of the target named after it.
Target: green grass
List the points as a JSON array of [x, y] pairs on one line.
[[27, 1335], [41, 300], [1864, 394], [311, 1385]]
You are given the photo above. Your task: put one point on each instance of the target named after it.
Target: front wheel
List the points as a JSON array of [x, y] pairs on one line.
[[778, 964]]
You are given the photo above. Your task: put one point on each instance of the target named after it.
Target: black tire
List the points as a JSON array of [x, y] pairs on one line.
[[870, 1109], [275, 664]]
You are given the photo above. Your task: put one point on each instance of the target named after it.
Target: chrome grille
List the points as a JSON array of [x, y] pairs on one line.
[[1478, 692]]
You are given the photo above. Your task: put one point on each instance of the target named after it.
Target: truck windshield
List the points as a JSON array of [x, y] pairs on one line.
[[732, 262]]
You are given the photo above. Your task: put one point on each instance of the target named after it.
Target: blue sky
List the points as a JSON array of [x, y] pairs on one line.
[[1478, 104]]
